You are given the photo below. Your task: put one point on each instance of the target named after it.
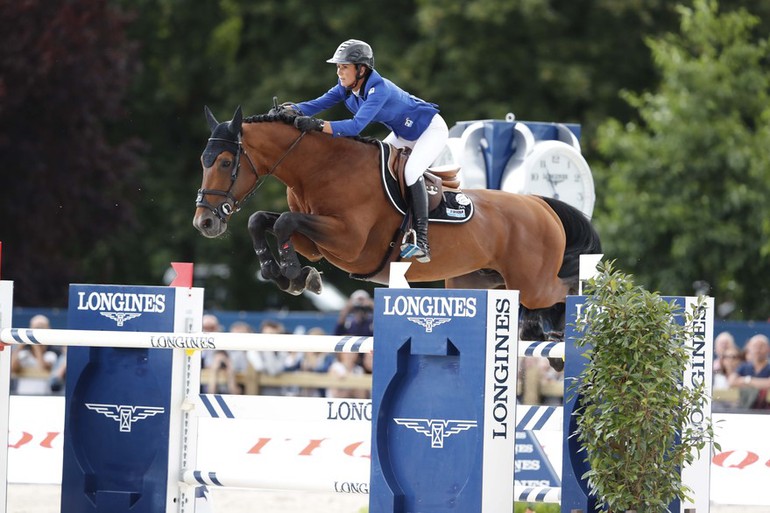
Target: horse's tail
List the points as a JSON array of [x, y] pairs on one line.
[[582, 237]]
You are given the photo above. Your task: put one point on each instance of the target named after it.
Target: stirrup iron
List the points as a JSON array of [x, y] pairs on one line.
[[409, 247]]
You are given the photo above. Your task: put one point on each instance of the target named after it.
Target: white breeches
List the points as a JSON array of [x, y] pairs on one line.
[[425, 149]]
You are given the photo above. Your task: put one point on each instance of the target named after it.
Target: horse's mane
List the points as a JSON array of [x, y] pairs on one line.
[[288, 118]]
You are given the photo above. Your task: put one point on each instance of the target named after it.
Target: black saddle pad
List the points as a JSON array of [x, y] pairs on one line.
[[455, 207]]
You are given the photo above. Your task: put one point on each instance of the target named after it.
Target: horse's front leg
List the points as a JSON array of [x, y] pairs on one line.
[[259, 224], [314, 232], [285, 226]]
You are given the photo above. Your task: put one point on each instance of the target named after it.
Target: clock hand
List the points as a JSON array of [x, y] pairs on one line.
[[553, 184]]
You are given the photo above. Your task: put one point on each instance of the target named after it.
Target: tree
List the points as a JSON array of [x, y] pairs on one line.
[[67, 187], [685, 189]]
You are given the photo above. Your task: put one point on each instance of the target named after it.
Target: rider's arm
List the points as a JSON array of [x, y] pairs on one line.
[[329, 99], [377, 96]]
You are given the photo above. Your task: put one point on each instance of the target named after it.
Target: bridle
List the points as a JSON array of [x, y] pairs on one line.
[[231, 205]]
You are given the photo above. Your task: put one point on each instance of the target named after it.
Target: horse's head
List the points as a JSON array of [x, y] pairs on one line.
[[225, 185]]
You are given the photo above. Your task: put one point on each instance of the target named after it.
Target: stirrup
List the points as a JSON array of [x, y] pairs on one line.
[[409, 248]]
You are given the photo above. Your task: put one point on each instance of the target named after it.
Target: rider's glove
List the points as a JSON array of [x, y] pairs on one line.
[[307, 124]]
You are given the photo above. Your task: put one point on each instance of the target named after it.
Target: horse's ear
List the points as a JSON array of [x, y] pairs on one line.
[[235, 124], [213, 123]]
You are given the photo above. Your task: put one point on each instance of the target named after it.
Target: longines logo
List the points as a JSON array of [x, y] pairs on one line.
[[430, 306], [120, 317], [124, 414], [429, 322], [437, 429], [121, 306]]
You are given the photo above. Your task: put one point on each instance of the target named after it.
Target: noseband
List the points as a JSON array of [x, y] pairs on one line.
[[231, 204]]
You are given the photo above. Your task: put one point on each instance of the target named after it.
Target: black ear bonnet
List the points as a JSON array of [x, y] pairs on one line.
[[222, 139]]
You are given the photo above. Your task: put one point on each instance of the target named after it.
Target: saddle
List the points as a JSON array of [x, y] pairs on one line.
[[438, 179], [446, 202]]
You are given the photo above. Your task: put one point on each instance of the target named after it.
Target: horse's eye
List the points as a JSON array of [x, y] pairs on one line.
[[226, 163]]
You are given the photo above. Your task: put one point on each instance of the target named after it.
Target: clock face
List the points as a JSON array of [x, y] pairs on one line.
[[557, 170]]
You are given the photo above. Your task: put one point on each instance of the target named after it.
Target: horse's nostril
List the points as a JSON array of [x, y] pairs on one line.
[[206, 224]]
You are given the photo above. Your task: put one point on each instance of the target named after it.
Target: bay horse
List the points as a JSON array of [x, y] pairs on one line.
[[339, 211]]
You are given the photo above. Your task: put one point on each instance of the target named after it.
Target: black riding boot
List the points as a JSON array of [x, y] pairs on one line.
[[419, 199]]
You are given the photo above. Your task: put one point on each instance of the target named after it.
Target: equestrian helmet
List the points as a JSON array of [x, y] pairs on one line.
[[353, 51]]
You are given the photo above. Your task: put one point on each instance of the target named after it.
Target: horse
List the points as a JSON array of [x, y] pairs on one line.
[[339, 211]]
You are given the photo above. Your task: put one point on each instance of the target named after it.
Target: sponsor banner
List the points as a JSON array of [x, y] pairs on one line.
[[302, 448], [438, 404], [499, 396], [740, 471], [533, 468], [35, 439], [699, 371], [118, 401], [131, 308]]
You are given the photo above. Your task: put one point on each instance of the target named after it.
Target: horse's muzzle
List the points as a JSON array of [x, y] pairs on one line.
[[208, 224]]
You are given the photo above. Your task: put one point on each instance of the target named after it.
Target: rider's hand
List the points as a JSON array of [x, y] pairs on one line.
[[286, 108], [307, 124]]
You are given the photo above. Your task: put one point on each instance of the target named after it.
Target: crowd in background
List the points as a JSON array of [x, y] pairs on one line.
[[356, 318], [744, 371], [747, 370]]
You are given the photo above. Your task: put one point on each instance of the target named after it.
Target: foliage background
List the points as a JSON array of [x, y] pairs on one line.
[[101, 125]]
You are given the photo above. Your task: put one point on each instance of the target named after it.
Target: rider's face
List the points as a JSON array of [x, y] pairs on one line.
[[346, 74]]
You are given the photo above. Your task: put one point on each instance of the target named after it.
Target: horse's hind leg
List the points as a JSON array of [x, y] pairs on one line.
[[480, 279], [543, 324]]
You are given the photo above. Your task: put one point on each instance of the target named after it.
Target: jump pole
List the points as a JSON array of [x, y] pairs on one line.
[[6, 312], [6, 309], [225, 341]]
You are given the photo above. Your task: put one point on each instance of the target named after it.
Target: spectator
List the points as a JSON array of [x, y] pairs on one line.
[[367, 364], [59, 373], [268, 362], [753, 376], [218, 362], [210, 324], [238, 358], [34, 360], [729, 361], [345, 365], [316, 362], [535, 374], [357, 316], [723, 343]]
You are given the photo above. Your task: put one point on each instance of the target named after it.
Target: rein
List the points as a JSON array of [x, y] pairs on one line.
[[226, 209]]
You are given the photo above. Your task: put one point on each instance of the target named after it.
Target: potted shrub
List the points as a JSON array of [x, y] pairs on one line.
[[634, 415]]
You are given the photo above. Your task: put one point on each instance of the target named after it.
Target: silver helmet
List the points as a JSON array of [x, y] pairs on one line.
[[353, 51]]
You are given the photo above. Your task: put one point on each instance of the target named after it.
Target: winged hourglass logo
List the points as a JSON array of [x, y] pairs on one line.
[[124, 414], [429, 322], [120, 317], [437, 429]]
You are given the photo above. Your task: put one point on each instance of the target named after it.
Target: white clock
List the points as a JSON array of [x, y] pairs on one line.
[[554, 169]]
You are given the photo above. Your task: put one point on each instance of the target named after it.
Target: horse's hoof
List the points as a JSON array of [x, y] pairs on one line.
[[313, 282], [270, 270], [556, 364], [530, 331], [291, 271]]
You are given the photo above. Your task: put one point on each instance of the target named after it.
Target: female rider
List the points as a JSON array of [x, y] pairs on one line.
[[413, 122]]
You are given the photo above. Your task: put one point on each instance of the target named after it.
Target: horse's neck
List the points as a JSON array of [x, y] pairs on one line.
[[312, 162]]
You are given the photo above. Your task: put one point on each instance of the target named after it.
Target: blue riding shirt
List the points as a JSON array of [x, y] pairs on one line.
[[379, 100]]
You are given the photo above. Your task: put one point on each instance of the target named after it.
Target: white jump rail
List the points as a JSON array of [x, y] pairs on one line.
[[203, 340], [329, 482], [224, 341]]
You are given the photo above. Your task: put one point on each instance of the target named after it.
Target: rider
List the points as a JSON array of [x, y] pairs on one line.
[[413, 122]]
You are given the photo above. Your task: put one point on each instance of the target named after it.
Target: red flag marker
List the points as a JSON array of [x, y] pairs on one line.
[[184, 274]]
